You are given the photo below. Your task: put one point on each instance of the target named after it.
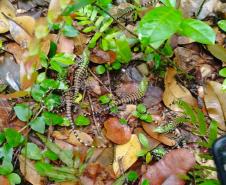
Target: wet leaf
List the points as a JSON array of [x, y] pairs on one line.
[[149, 128], [117, 132], [175, 92], [126, 155], [176, 162], [28, 170], [215, 103], [217, 51]]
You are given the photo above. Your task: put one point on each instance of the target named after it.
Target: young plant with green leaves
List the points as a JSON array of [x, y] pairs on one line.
[[141, 113]]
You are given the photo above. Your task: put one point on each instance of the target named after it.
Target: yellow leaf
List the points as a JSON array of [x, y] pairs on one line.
[[126, 155]]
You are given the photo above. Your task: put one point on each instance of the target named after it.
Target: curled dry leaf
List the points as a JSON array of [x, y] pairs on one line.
[[27, 168], [69, 137], [99, 56], [65, 45], [149, 128], [126, 155], [175, 91], [93, 85], [167, 170], [117, 132], [215, 103]]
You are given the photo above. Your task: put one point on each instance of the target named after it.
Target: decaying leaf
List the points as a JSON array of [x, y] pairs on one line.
[[4, 180], [149, 128], [65, 45], [28, 170], [18, 52], [5, 109], [27, 23], [69, 137], [175, 91], [175, 163], [218, 51], [215, 103], [126, 155], [99, 56], [117, 132]]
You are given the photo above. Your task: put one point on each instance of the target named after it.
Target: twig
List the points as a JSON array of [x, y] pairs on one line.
[[109, 81], [200, 8]]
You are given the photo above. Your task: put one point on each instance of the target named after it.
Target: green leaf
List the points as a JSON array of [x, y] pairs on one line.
[[217, 51], [143, 140], [104, 99], [41, 77], [222, 25], [41, 31], [50, 84], [146, 117], [212, 133], [222, 72], [100, 69], [210, 182], [148, 157], [170, 3], [13, 137], [75, 6], [53, 49], [64, 155], [70, 31], [6, 152], [38, 125], [123, 121], [198, 31], [32, 151], [201, 121], [6, 167], [167, 50], [106, 25], [38, 93], [159, 24], [52, 101], [82, 120], [52, 119], [145, 182], [14, 178], [64, 59], [23, 112], [2, 137], [116, 65], [124, 53], [132, 176], [50, 155], [141, 108]]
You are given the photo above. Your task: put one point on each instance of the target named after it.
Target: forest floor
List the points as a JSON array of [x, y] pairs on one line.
[[111, 92]]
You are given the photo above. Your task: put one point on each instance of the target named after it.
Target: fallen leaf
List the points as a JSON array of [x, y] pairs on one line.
[[93, 85], [175, 91], [117, 132], [5, 109], [18, 94], [175, 163], [152, 97], [217, 51], [80, 43], [65, 45], [4, 180], [149, 128], [4, 25], [27, 168], [99, 56], [19, 34], [215, 103], [126, 155], [27, 23], [69, 137]]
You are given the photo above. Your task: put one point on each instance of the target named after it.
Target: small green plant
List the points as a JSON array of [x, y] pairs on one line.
[[141, 113], [222, 25], [82, 120], [222, 73], [105, 99]]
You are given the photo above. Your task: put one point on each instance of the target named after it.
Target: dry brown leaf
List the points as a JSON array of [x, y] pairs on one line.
[[126, 155], [69, 137], [18, 52], [5, 109], [19, 34], [149, 128], [28, 170], [99, 56], [93, 85], [215, 103], [80, 43], [117, 132], [65, 45], [4, 180], [27, 23], [4, 25], [167, 170], [175, 91]]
